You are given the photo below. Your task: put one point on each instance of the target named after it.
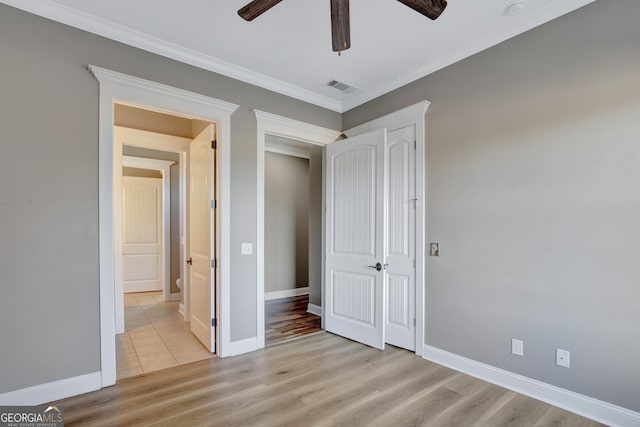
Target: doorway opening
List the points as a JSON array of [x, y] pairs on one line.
[[156, 325], [288, 133], [125, 89], [293, 233]]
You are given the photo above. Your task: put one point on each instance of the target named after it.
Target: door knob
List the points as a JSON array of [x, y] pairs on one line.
[[378, 266], [190, 261]]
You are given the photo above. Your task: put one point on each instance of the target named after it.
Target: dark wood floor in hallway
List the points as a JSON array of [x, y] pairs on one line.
[[287, 318], [318, 380]]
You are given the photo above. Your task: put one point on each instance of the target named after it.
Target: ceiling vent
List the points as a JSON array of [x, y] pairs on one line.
[[343, 87]]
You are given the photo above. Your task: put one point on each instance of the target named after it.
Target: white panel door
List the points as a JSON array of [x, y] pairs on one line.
[[202, 239], [143, 268], [400, 238], [355, 238]]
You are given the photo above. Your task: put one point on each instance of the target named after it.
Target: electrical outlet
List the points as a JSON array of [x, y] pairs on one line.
[[517, 347], [563, 358], [246, 249]]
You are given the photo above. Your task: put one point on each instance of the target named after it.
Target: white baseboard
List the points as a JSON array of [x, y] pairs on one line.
[[314, 309], [181, 308], [589, 407], [174, 297], [243, 346], [132, 288], [286, 293], [50, 392]]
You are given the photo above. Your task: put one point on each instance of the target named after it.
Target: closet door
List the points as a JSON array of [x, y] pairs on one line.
[[400, 250], [355, 202]]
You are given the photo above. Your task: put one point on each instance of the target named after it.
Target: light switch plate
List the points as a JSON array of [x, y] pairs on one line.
[[246, 249], [434, 249]]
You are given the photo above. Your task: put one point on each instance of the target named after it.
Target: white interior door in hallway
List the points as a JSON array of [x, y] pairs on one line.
[[202, 240], [370, 238], [143, 259]]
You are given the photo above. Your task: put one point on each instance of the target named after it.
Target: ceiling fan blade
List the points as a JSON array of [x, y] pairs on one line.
[[432, 9], [256, 8], [340, 29]]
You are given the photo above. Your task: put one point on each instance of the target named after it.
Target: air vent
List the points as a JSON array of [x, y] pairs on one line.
[[340, 86]]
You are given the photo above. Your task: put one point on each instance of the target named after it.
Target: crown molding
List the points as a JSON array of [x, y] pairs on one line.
[[126, 35]]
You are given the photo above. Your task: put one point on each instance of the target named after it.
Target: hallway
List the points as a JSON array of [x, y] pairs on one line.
[[156, 336]]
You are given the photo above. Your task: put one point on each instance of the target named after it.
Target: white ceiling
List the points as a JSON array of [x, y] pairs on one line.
[[288, 49]]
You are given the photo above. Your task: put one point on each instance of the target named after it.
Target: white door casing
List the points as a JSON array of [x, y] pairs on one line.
[[202, 238], [355, 200], [400, 273], [142, 234]]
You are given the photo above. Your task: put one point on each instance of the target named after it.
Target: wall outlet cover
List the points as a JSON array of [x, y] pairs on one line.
[[563, 358], [246, 249], [517, 347]]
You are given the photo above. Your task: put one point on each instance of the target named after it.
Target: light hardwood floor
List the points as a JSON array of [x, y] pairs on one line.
[[317, 380]]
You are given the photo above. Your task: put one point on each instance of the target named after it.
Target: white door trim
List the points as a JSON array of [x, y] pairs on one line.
[[121, 87], [412, 115], [271, 124], [164, 167]]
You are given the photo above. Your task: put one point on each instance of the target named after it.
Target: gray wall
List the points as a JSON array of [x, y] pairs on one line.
[[286, 236], [174, 208], [315, 225], [533, 178], [49, 189]]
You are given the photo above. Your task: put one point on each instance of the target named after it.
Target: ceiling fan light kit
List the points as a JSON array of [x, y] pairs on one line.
[[340, 27]]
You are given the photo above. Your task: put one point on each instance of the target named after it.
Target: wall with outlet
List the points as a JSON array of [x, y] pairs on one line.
[[533, 179]]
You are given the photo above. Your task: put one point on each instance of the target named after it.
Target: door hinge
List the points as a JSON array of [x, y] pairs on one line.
[[414, 321], [414, 263], [214, 144], [214, 322], [214, 263], [415, 145], [214, 204]]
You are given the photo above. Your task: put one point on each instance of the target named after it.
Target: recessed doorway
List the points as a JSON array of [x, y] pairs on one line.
[[293, 231], [157, 324]]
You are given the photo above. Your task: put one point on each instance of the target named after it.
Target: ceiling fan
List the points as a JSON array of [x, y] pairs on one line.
[[340, 31]]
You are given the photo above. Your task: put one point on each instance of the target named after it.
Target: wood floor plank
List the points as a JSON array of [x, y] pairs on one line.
[[521, 411], [421, 412], [556, 417], [392, 395], [475, 409], [317, 380]]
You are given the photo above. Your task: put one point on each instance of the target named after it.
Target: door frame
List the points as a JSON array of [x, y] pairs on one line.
[[271, 124], [117, 87], [413, 115]]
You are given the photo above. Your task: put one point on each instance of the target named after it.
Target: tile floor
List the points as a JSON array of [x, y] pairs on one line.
[[156, 336]]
